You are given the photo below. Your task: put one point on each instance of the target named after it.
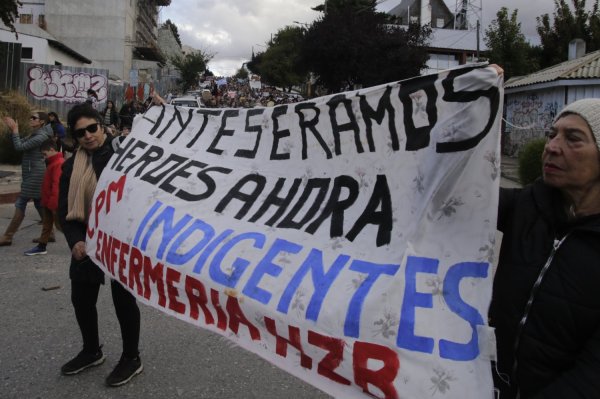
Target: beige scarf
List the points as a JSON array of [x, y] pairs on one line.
[[81, 187]]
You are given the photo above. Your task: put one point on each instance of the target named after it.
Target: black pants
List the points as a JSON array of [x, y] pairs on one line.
[[84, 296]]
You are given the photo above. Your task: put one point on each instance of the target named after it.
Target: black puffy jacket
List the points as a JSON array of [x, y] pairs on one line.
[[558, 354]]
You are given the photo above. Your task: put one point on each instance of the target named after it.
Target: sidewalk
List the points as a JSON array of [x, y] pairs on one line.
[[10, 183]]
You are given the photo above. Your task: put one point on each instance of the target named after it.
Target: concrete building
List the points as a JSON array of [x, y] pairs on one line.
[[452, 44], [170, 48], [118, 35]]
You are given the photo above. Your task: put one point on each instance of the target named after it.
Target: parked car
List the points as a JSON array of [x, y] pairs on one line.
[[187, 101]]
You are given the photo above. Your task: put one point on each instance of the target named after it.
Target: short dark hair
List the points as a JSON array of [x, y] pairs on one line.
[[83, 110], [41, 116], [48, 144]]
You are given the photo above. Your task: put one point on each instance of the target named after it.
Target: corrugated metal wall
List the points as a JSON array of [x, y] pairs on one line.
[[10, 59], [58, 88]]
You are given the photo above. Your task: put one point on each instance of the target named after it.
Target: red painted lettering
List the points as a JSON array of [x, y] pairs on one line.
[[221, 316], [173, 277], [197, 298], [154, 274], [236, 316], [136, 261], [382, 378], [333, 358], [294, 340]]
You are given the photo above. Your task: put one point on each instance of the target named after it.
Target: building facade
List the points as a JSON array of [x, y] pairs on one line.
[[118, 35], [452, 44], [533, 101]]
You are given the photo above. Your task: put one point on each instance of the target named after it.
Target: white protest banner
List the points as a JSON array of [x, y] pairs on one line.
[[347, 239]]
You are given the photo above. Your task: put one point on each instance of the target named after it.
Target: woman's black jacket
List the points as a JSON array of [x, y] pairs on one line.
[[84, 270], [559, 351]]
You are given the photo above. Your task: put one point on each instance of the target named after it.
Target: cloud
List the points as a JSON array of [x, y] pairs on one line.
[[231, 28]]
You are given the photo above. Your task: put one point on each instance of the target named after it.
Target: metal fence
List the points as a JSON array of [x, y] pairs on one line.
[[10, 60]]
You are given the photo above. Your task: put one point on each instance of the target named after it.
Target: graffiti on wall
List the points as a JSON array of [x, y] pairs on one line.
[[528, 118], [65, 85], [532, 113]]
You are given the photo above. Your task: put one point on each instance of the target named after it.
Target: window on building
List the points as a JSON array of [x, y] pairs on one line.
[[57, 63], [42, 21], [26, 18], [439, 62], [440, 22], [27, 53]]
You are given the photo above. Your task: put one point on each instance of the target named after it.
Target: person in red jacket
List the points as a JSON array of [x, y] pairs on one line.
[[49, 201]]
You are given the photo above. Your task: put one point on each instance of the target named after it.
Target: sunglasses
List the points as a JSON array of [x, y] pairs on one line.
[[79, 133], [32, 117]]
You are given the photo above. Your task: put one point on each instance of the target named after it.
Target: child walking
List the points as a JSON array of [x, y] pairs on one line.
[[54, 161]]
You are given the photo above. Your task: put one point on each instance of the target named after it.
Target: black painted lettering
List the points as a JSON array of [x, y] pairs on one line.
[[383, 218], [278, 134], [310, 125], [337, 128], [236, 192], [281, 203], [230, 113], [252, 128], [336, 207]]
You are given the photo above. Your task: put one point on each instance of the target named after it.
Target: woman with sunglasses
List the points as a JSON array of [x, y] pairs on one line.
[[33, 167], [77, 185]]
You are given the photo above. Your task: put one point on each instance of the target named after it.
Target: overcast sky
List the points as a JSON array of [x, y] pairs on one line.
[[231, 28]]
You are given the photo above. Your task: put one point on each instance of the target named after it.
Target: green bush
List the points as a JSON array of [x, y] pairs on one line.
[[16, 106], [530, 161]]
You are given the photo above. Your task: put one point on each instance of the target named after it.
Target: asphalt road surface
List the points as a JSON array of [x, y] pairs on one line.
[[38, 333]]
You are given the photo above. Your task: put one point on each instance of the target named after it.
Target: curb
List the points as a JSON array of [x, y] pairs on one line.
[[9, 198]]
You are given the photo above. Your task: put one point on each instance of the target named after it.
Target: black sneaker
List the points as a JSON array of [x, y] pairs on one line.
[[83, 361], [125, 370]]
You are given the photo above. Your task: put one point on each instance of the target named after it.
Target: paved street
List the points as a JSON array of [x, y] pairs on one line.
[[38, 333]]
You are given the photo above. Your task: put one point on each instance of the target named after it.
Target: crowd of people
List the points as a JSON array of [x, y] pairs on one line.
[[545, 308], [240, 93]]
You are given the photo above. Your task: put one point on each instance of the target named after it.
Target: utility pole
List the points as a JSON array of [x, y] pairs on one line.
[[478, 26]]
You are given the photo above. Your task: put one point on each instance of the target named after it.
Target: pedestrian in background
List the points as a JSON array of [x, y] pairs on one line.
[[110, 116], [545, 304], [77, 185], [32, 168], [49, 202]]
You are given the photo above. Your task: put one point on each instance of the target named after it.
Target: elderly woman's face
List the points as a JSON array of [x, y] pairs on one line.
[[571, 159]]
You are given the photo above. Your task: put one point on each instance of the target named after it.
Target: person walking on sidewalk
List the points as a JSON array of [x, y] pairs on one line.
[[54, 161], [32, 168], [77, 185]]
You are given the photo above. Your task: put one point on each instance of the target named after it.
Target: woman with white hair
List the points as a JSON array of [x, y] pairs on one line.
[[546, 298]]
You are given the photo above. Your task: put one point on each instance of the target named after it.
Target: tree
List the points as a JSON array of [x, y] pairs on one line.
[[507, 45], [241, 73], [354, 5], [9, 11], [280, 64], [173, 28], [566, 26], [349, 46], [191, 66]]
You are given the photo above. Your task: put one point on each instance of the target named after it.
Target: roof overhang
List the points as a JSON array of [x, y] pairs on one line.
[[552, 85], [58, 45]]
